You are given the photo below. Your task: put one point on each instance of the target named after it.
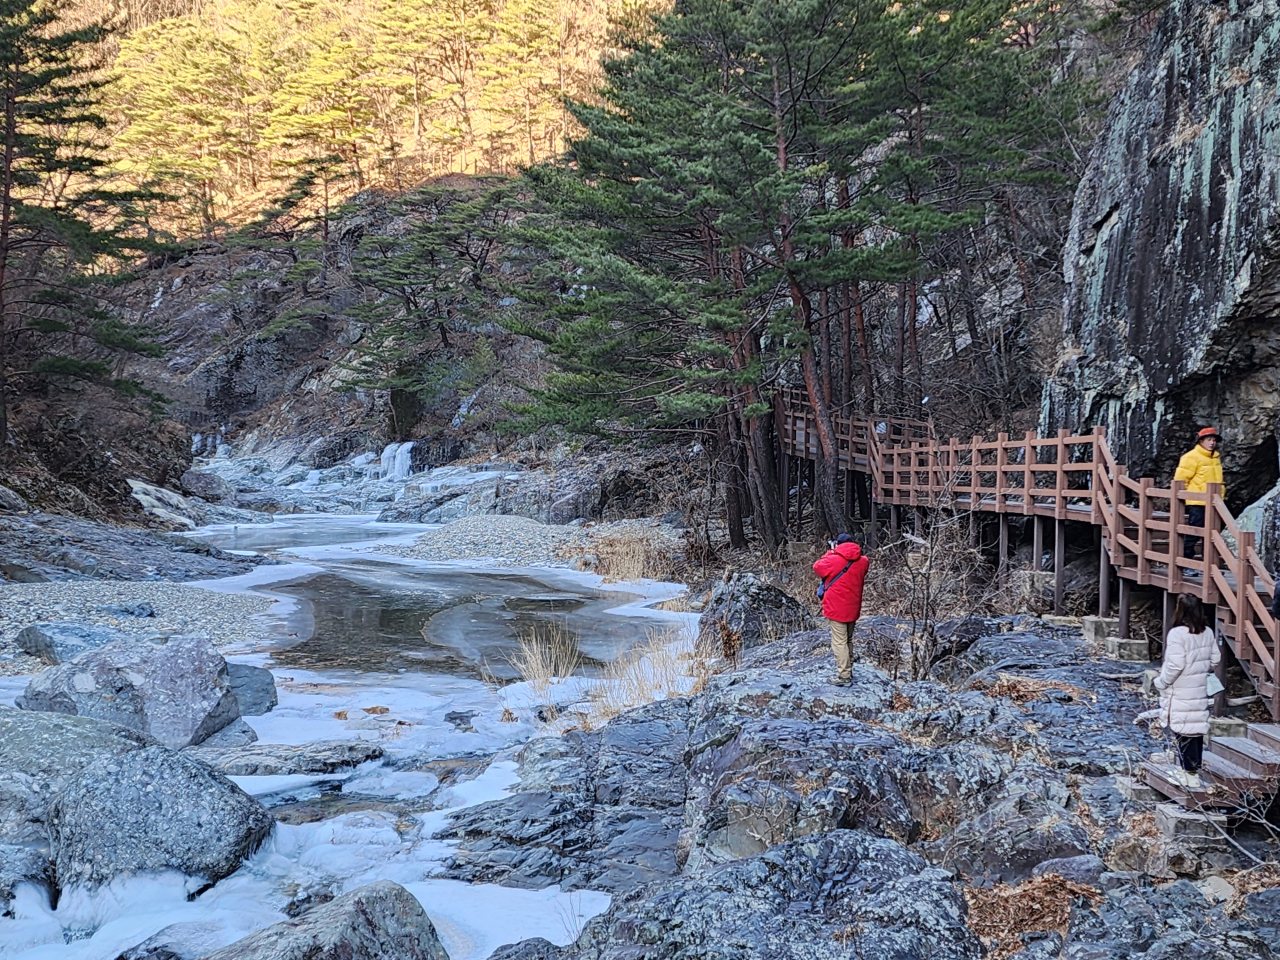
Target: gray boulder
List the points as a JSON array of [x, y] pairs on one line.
[[149, 810], [745, 612], [58, 641], [254, 687], [270, 759], [175, 691], [206, 486], [40, 753], [381, 921]]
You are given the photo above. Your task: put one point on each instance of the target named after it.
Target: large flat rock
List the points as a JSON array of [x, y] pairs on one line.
[[57, 641], [270, 759]]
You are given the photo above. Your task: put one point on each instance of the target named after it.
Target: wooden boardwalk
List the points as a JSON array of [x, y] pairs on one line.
[[1065, 479]]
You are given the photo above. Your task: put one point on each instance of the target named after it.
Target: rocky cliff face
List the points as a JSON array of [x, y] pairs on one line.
[[1172, 266]]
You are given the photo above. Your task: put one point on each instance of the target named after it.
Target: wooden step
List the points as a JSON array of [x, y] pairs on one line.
[[1233, 783], [1266, 735], [1159, 776], [1247, 754]]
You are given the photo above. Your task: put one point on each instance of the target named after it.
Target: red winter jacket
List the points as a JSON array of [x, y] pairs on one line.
[[843, 600]]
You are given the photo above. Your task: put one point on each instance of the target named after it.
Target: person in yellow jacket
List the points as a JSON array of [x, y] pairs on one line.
[[1199, 467]]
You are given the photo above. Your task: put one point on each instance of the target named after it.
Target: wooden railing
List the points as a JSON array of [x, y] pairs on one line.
[[1068, 478]]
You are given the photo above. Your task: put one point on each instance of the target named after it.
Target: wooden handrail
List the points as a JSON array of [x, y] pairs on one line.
[[1143, 526]]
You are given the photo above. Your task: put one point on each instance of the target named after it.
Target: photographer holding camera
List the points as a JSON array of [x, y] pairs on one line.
[[843, 570]]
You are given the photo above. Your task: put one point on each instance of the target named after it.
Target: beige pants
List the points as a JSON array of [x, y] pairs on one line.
[[842, 647]]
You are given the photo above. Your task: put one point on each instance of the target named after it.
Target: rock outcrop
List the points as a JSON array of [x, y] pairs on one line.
[[176, 691], [150, 810], [744, 612], [772, 814], [1173, 270], [381, 921], [45, 547]]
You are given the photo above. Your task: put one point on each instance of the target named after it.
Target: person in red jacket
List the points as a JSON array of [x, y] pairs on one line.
[[843, 570]]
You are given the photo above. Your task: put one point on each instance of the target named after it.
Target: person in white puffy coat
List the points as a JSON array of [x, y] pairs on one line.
[[1190, 655]]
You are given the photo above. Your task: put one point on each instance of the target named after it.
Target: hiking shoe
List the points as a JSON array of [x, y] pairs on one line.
[[840, 681]]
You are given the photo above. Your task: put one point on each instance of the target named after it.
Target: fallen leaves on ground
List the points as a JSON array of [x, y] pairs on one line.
[[1001, 913], [1023, 689]]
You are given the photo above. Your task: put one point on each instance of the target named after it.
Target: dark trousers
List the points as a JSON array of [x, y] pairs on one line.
[[1190, 752], [1195, 518]]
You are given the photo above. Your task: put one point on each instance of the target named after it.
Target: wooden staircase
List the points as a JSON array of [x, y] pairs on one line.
[[1237, 773]]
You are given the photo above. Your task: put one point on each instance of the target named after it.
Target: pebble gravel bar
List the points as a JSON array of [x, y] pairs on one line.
[[513, 541], [224, 618]]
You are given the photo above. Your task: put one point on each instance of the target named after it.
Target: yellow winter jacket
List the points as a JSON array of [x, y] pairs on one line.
[[1197, 469]]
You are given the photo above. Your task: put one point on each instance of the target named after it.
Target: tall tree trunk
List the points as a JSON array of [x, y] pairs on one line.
[[6, 243], [824, 339], [917, 363], [727, 470], [754, 436], [864, 352], [846, 349], [826, 498], [900, 347]]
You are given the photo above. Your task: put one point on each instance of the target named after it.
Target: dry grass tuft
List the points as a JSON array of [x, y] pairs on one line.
[[544, 654], [1254, 880], [1000, 914], [634, 555], [1025, 689], [653, 670]]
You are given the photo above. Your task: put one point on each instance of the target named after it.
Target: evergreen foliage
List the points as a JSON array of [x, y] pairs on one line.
[[220, 104], [57, 221], [754, 169]]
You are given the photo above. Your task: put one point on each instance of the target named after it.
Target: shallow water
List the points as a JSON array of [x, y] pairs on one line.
[[404, 653]]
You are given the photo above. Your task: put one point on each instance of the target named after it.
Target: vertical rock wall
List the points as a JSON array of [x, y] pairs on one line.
[[1172, 311]]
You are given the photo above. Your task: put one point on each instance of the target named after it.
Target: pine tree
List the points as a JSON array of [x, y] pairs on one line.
[[51, 205]]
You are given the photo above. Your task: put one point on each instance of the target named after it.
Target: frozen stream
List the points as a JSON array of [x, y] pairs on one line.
[[409, 654]]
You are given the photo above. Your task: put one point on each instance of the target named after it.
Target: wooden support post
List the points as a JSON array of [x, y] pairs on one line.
[[873, 532], [1177, 517], [1220, 699], [1002, 572], [1144, 530], [893, 522], [784, 481], [1104, 580], [1037, 544], [1028, 478], [919, 522], [1124, 608], [1002, 464], [1059, 566], [1212, 523], [1167, 614]]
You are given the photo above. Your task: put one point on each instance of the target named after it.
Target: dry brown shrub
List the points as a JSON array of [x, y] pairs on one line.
[[1024, 689], [508, 715], [900, 702], [998, 915], [634, 555], [1265, 876]]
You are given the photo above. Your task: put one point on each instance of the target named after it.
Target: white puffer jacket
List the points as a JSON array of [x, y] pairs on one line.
[[1189, 658]]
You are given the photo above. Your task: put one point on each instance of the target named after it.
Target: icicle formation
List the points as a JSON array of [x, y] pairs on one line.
[[397, 461]]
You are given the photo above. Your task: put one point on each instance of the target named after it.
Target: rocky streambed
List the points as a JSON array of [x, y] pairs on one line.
[[182, 804]]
